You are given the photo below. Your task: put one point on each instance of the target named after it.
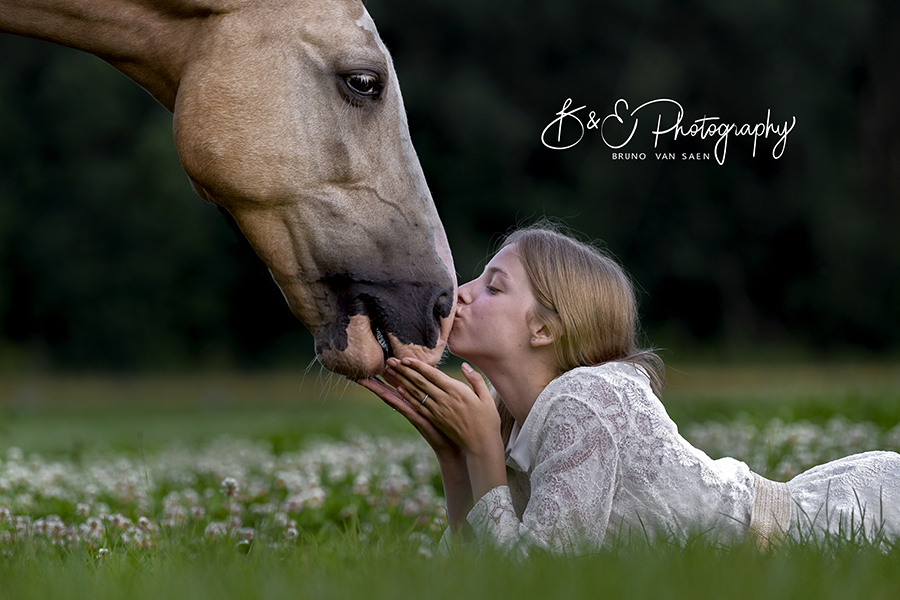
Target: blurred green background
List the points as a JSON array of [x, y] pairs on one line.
[[108, 261]]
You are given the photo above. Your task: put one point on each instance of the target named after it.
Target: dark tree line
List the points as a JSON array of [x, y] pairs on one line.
[[107, 259]]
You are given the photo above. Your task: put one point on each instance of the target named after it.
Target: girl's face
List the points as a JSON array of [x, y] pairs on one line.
[[492, 317]]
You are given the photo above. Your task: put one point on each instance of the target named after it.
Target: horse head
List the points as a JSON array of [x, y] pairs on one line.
[[288, 114], [291, 118]]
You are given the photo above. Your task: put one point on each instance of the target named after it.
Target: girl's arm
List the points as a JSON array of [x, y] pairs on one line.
[[451, 458], [574, 465]]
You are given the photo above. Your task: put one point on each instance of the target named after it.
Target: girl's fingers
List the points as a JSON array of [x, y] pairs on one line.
[[415, 400], [390, 376], [438, 441], [381, 390], [476, 381], [411, 377], [421, 370], [397, 379], [395, 399], [399, 398]]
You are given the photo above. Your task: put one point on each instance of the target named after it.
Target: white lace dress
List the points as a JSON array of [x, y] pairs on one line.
[[598, 458]]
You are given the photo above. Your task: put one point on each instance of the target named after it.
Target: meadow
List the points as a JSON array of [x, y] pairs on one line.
[[300, 485]]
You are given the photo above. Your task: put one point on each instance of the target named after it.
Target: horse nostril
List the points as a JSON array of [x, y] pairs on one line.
[[442, 305]]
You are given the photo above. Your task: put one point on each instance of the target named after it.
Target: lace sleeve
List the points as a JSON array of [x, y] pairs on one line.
[[573, 481]]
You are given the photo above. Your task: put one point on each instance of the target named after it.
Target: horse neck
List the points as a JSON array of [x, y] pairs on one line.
[[145, 39]]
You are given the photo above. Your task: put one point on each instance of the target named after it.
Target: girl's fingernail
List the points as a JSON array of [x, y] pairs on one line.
[[466, 367]]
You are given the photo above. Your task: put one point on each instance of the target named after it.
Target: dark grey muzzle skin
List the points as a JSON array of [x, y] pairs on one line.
[[411, 311]]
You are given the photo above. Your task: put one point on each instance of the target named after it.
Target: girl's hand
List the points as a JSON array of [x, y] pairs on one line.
[[443, 447], [454, 471], [466, 414]]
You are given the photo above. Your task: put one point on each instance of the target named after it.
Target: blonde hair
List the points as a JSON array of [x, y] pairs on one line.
[[587, 302]]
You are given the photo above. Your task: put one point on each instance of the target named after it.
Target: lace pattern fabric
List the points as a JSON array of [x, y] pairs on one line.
[[600, 452], [856, 497], [598, 457]]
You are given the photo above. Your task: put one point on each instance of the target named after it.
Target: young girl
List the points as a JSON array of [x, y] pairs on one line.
[[574, 448]]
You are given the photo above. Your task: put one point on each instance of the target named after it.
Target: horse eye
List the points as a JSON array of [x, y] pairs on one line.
[[367, 86]]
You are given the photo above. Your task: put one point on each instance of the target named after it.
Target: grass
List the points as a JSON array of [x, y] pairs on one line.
[[342, 568], [791, 392], [71, 418], [57, 416]]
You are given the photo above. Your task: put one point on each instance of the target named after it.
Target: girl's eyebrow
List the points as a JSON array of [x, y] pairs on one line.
[[497, 271]]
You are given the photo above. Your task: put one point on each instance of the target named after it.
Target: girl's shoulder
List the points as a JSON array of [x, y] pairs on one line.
[[597, 388], [617, 375], [608, 395]]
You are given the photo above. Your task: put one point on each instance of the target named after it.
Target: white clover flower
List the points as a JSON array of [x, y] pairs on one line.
[[215, 530], [280, 519], [410, 507], [229, 487], [190, 496], [269, 508], [376, 467], [140, 539], [313, 497], [25, 500], [56, 527], [361, 484], [120, 521], [92, 529], [40, 527], [291, 534], [145, 525]]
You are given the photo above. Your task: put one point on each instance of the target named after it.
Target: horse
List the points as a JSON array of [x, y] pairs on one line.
[[288, 115]]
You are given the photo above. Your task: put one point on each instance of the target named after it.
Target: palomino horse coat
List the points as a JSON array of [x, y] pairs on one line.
[[288, 114]]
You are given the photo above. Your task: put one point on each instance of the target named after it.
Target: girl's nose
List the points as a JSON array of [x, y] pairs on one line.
[[463, 293]]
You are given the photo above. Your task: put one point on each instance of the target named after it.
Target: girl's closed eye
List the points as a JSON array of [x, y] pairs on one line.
[[492, 290]]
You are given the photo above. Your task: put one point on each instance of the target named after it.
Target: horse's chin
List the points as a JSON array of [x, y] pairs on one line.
[[368, 348]]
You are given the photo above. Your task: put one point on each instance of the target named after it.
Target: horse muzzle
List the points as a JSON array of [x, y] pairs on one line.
[[378, 319]]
